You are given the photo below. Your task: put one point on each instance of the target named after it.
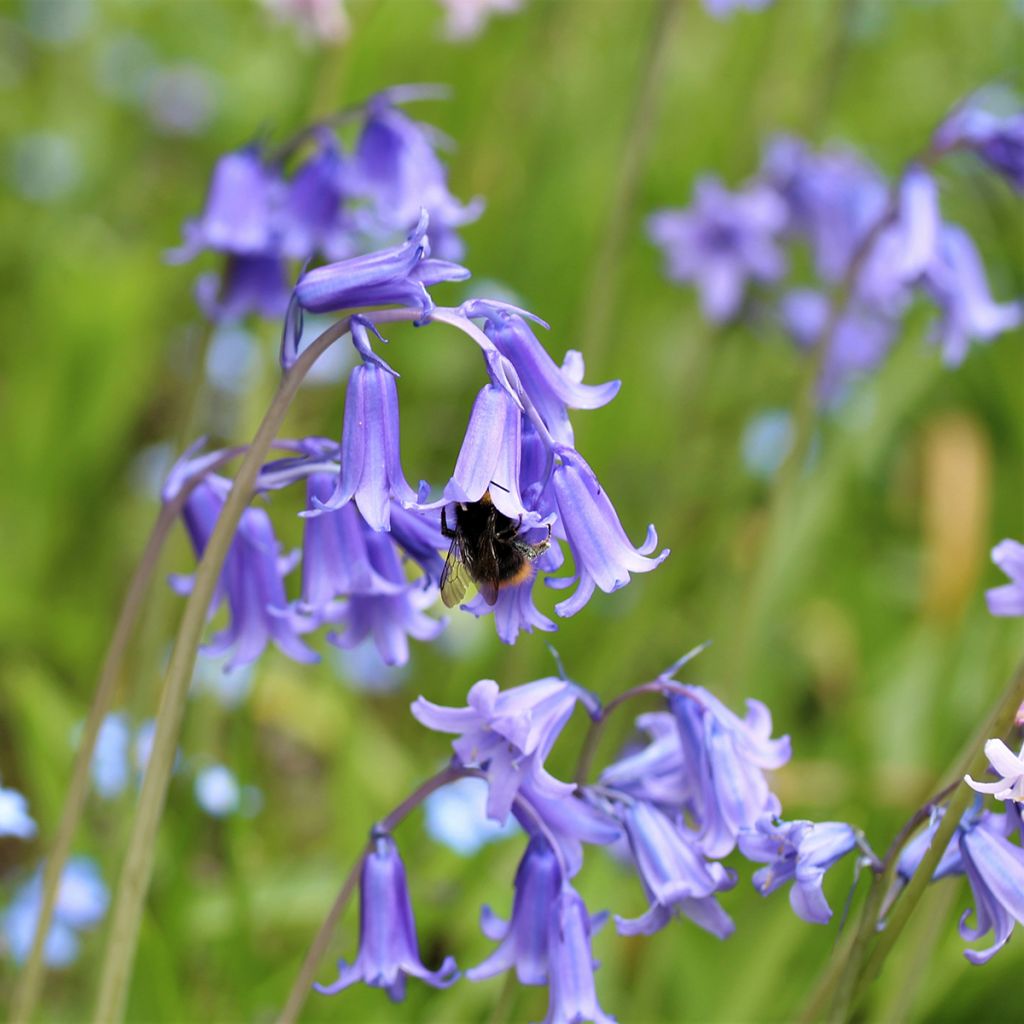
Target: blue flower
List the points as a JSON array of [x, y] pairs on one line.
[[249, 284], [388, 949], [313, 217], [217, 791], [656, 771], [998, 140], [675, 876], [799, 852], [571, 965], [81, 903], [507, 734], [524, 937], [514, 610], [455, 816], [721, 242], [110, 768], [603, 555], [14, 817], [1010, 769], [1008, 599], [956, 281]]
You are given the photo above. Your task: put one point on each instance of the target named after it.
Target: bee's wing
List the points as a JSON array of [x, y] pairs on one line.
[[488, 590], [454, 577]]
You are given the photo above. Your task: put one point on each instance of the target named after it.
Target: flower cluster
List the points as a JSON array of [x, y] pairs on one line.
[[874, 247], [673, 807]]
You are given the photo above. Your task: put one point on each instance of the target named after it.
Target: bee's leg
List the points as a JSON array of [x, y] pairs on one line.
[[444, 524]]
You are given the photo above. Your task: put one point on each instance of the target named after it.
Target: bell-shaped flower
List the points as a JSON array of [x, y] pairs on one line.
[[396, 167], [389, 618], [725, 758], [240, 212], [1008, 600], [553, 390], [674, 874], [603, 555], [371, 468], [388, 948], [1009, 768], [655, 772], [249, 284], [312, 218], [419, 536], [524, 937], [996, 139], [799, 852], [956, 281], [513, 610], [723, 241], [507, 735], [571, 964], [14, 817]]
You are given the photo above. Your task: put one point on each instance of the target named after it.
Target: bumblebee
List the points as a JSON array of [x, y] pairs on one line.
[[487, 550]]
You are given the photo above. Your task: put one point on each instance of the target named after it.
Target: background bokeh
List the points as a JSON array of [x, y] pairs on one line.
[[868, 636]]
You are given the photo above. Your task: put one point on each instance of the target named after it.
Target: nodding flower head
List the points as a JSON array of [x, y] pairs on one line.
[[1008, 599], [997, 139], [388, 948]]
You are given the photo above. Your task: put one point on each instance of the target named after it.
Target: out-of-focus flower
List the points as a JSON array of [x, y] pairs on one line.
[[313, 216], [388, 949], [1008, 767], [799, 852], [323, 21], [956, 281], [180, 99], [524, 937], [571, 963], [1008, 600], [110, 768], [998, 140], [674, 874], [723, 241], [507, 734], [217, 791], [395, 165], [14, 817], [767, 439], [723, 8], [81, 903], [465, 19], [603, 555], [456, 816]]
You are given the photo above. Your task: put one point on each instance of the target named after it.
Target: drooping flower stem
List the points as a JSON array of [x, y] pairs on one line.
[[849, 975], [27, 990], [135, 875]]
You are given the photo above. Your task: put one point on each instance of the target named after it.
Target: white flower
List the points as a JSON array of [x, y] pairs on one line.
[[1011, 768]]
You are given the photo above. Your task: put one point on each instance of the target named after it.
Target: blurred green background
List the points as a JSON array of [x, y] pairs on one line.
[[869, 638]]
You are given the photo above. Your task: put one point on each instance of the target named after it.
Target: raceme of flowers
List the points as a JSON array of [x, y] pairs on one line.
[[365, 526], [672, 807], [874, 247]]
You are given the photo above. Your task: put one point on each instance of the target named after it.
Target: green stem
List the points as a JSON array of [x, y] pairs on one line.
[[27, 990], [135, 876]]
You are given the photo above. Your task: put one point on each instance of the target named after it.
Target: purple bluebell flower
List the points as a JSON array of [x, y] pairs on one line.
[[956, 281], [418, 534], [833, 197], [524, 937], [553, 389], [674, 874], [656, 771], [603, 555], [455, 815], [389, 618], [1009, 768], [514, 610], [507, 734], [998, 140], [388, 949], [799, 852], [312, 217], [371, 468], [725, 758], [14, 817], [1008, 600], [396, 167], [571, 964], [82, 900], [249, 284], [723, 241]]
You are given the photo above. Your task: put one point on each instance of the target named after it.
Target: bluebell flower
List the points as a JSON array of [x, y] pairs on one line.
[[603, 555], [1008, 600], [553, 389], [82, 900], [313, 217], [957, 283], [656, 771], [217, 791], [389, 618], [674, 874], [418, 534], [799, 852], [725, 758], [110, 760], [514, 610], [996, 139], [1009, 768], [523, 939], [248, 284], [388, 949], [14, 817], [571, 964], [396, 167], [455, 815], [722, 242], [507, 734]]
